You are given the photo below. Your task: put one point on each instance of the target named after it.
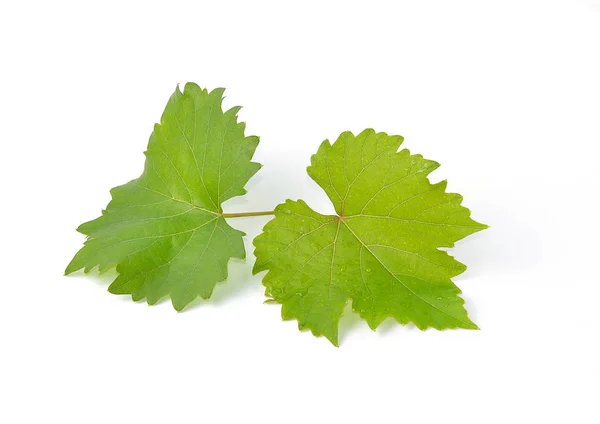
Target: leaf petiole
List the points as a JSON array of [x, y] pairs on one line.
[[244, 214]]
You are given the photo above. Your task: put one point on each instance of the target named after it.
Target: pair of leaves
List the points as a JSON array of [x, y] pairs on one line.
[[166, 233]]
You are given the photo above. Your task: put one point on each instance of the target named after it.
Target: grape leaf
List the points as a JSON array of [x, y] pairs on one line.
[[381, 250], [164, 231]]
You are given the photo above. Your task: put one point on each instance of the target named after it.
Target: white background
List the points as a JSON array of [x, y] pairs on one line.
[[504, 94]]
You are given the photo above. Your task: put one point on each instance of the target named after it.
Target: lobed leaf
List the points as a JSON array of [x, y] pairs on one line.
[[381, 249], [164, 231]]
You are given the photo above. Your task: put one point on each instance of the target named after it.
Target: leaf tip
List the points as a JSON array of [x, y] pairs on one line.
[[333, 338], [178, 306], [74, 265], [190, 86], [470, 325], [233, 112], [218, 92], [467, 324], [113, 289]]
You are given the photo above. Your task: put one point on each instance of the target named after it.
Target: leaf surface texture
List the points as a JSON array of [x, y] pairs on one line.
[[381, 250], [164, 231]]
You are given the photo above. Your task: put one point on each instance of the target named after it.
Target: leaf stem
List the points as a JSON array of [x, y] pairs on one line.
[[243, 214]]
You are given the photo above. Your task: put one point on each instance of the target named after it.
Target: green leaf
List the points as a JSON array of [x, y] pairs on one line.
[[165, 231], [381, 250]]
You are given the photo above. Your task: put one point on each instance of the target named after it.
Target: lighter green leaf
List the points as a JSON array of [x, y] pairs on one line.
[[165, 231], [381, 250]]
